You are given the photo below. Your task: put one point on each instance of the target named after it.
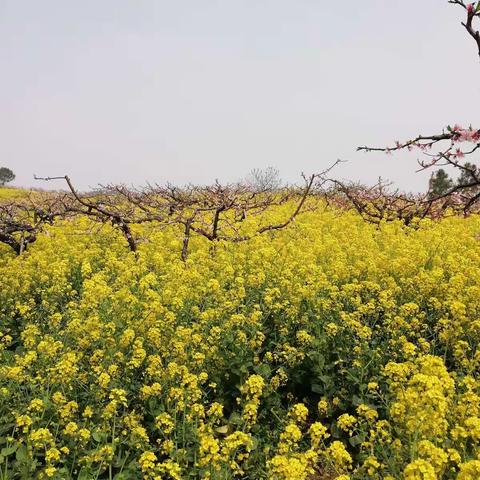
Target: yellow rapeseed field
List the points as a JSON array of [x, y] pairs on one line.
[[7, 193], [331, 349]]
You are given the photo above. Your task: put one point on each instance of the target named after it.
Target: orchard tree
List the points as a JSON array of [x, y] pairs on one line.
[[455, 143], [472, 12], [6, 176], [215, 212]]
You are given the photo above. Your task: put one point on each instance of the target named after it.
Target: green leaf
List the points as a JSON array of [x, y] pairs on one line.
[[326, 379], [63, 473], [22, 454], [356, 400], [5, 427], [263, 369], [129, 472], [316, 388], [99, 436], [121, 476], [357, 439], [85, 474], [236, 419], [5, 452]]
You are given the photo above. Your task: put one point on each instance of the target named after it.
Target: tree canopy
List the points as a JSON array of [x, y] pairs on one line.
[[6, 175]]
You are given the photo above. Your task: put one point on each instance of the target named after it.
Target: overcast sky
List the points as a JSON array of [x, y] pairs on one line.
[[192, 90]]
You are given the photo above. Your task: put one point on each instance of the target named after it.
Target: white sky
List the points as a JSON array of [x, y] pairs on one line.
[[193, 90]]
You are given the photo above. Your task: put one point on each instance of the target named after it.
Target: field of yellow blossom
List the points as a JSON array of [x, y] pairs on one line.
[[331, 349], [7, 193]]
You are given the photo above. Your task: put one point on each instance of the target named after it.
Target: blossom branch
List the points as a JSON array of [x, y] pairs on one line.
[[472, 12]]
